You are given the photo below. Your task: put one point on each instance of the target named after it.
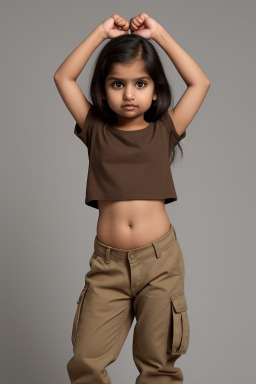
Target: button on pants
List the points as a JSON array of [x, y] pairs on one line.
[[146, 283]]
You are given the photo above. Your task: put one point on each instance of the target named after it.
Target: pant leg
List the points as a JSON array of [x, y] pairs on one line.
[[153, 276], [102, 322], [161, 333]]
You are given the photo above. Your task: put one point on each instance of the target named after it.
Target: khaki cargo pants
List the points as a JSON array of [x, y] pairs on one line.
[[146, 283]]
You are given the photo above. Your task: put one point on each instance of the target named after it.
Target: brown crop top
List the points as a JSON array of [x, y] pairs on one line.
[[128, 165]]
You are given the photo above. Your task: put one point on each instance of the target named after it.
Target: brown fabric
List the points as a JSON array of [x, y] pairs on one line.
[[147, 284], [128, 165]]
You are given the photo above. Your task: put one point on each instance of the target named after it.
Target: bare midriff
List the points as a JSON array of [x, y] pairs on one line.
[[131, 223]]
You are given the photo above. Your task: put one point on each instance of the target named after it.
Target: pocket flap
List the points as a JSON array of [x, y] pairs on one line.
[[78, 312], [82, 293], [178, 339], [179, 303]]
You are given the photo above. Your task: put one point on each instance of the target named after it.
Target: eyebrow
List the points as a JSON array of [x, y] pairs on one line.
[[138, 78]]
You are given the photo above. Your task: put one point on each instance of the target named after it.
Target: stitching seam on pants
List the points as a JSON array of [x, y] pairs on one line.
[[118, 332]]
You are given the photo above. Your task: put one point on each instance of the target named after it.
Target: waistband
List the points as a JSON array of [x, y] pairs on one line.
[[154, 248]]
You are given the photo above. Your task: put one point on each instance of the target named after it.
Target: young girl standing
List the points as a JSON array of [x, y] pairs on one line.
[[137, 267]]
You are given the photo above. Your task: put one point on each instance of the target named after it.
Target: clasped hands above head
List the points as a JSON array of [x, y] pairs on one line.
[[142, 25]]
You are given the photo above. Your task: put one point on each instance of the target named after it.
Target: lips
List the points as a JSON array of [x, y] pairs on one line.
[[129, 105]]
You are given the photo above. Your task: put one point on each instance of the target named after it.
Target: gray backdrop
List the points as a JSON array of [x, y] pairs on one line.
[[47, 232]]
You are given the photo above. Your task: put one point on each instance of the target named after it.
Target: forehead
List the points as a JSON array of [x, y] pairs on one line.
[[125, 70]]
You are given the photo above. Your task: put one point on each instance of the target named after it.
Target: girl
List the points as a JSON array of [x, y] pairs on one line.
[[137, 267]]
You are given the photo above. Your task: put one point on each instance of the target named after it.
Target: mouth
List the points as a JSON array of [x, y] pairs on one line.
[[129, 106]]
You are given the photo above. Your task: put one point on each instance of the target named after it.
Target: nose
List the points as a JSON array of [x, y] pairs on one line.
[[128, 92]]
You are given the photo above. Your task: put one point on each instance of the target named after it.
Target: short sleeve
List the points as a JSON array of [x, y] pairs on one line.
[[174, 136], [84, 132]]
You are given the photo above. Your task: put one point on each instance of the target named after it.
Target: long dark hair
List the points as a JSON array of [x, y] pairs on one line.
[[124, 49]]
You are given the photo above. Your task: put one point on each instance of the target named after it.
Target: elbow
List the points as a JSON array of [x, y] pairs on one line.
[[55, 76], [202, 83], [207, 82]]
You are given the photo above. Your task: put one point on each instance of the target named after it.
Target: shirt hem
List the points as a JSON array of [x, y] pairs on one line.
[[129, 196], [93, 201]]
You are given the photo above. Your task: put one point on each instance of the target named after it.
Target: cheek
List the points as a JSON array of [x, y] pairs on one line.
[[147, 96], [111, 94]]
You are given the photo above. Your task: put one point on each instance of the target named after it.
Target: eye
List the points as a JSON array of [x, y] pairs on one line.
[[142, 82], [116, 82], [119, 82]]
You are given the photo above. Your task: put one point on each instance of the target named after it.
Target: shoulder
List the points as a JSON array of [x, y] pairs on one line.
[[169, 120], [177, 131], [91, 122]]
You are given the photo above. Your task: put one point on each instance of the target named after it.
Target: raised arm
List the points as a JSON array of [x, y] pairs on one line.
[[67, 73], [196, 80]]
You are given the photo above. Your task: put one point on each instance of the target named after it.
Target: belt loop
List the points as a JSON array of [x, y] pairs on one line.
[[107, 254], [157, 250]]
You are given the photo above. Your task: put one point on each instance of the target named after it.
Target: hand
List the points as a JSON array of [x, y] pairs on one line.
[[115, 26], [144, 26]]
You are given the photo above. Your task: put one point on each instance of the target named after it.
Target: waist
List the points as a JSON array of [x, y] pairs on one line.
[[152, 249], [131, 224]]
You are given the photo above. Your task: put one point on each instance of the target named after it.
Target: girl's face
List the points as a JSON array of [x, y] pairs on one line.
[[129, 83]]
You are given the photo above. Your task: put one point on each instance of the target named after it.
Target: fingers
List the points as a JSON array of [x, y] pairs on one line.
[[137, 21], [121, 22]]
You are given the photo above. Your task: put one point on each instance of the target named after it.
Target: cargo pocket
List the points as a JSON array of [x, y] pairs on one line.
[[77, 317], [179, 331]]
